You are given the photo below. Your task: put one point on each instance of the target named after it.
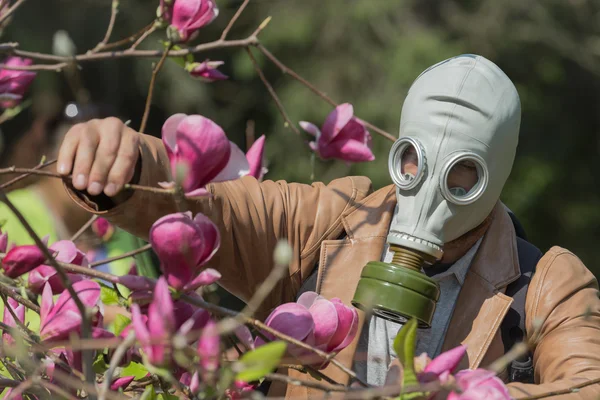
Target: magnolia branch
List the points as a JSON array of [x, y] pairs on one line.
[[114, 10]]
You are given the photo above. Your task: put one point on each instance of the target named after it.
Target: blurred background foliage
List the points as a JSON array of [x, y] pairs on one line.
[[367, 52]]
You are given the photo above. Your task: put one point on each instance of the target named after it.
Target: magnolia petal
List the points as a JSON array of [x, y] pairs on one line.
[[67, 251], [347, 326], [245, 336], [139, 325], [3, 242], [121, 383], [447, 361], [161, 316], [291, 319], [206, 277], [236, 167], [335, 122], [169, 132], [307, 299], [47, 303], [209, 347], [60, 325], [349, 150], [312, 129], [184, 12], [211, 237], [203, 145], [22, 259], [326, 321], [255, 155]]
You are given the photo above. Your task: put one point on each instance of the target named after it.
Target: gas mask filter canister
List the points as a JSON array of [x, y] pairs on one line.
[[463, 112]]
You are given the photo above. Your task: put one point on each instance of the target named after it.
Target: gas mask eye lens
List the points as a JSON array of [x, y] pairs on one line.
[[407, 163], [464, 178]]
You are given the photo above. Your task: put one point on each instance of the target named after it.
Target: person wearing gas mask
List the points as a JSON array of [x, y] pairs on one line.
[[439, 235]]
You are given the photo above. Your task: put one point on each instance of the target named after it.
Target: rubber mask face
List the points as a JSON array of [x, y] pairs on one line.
[[463, 112]]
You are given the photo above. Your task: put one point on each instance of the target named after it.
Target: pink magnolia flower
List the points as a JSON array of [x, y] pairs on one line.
[[479, 384], [199, 147], [103, 229], [183, 245], [19, 310], [187, 16], [64, 251], [121, 383], [207, 71], [342, 136], [329, 325], [14, 83], [241, 164], [58, 320], [3, 240], [163, 321], [238, 390], [441, 367], [208, 347], [22, 259]]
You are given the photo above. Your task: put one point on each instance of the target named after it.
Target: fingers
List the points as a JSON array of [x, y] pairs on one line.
[[84, 158], [105, 155], [100, 154], [124, 166]]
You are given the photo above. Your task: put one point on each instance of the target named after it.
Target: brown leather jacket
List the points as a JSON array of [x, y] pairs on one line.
[[252, 216]]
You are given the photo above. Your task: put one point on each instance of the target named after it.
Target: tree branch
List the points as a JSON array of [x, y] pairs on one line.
[[114, 10], [234, 19], [273, 94], [155, 72]]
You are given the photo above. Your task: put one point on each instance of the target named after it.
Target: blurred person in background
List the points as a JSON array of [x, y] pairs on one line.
[[36, 132]]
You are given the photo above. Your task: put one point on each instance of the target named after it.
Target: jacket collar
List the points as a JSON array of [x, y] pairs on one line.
[[481, 305]]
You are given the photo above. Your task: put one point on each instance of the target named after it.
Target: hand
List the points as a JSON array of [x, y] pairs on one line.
[[101, 154]]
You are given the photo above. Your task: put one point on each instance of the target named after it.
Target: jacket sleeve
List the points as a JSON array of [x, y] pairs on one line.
[[252, 217], [562, 301]]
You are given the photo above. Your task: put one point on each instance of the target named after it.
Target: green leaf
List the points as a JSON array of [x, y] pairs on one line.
[[120, 323], [257, 363], [149, 393], [108, 295], [100, 365], [135, 369], [404, 346]]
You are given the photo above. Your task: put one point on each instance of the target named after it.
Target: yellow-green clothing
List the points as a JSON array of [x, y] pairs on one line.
[[29, 202]]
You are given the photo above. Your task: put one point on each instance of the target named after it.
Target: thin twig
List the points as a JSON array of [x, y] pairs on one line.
[[145, 35], [150, 189], [290, 72], [217, 44], [114, 363], [21, 177], [234, 19], [155, 72], [84, 228], [273, 94], [300, 382], [11, 10], [129, 39], [18, 298], [114, 10], [121, 256]]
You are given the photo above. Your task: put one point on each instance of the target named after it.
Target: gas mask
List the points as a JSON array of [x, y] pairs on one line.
[[463, 112]]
